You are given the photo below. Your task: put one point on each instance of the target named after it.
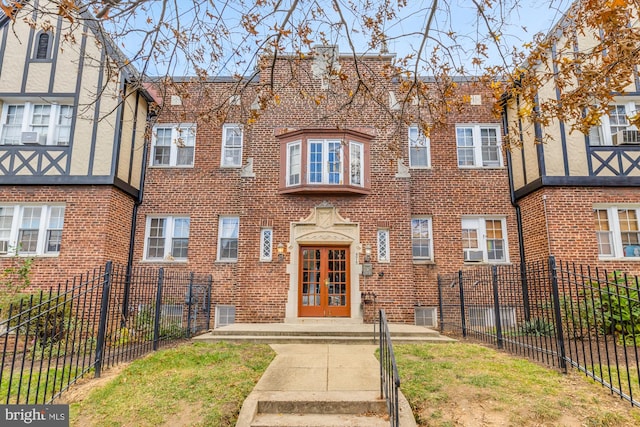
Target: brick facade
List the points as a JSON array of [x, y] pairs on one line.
[[568, 232], [97, 226], [262, 291]]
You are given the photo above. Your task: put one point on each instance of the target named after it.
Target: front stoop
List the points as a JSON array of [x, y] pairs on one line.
[[318, 409], [320, 333]]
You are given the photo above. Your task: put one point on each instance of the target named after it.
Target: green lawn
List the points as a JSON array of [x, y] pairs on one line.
[[457, 384]]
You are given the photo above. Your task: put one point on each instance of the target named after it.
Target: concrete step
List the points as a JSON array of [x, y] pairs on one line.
[[325, 403], [283, 339], [319, 420], [320, 409], [319, 333]]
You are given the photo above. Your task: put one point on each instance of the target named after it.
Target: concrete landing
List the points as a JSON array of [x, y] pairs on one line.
[[320, 333], [320, 385]]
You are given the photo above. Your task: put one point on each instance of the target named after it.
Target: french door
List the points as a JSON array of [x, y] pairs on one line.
[[324, 282]]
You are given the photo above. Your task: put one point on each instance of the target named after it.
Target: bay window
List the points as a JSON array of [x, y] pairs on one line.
[[326, 161]]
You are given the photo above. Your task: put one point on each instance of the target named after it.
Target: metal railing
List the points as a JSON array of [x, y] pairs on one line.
[[389, 378], [99, 319], [561, 314]]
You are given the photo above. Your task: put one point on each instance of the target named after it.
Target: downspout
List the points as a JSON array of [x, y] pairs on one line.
[[516, 205], [134, 214]]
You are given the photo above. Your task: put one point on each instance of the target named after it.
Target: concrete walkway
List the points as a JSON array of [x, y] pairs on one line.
[[320, 385]]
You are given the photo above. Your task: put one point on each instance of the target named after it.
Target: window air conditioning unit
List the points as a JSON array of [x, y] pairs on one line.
[[626, 137], [473, 256], [4, 247], [31, 138]]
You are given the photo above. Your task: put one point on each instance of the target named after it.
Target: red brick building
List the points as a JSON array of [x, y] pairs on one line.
[[358, 207], [303, 205]]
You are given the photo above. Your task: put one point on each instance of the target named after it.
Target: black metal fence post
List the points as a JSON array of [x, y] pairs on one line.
[[208, 302], [102, 326], [525, 291], [463, 322], [496, 305], [440, 303], [190, 300], [125, 297], [553, 271], [157, 318]]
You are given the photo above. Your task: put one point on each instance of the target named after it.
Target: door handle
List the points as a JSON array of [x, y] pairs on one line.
[[326, 282]]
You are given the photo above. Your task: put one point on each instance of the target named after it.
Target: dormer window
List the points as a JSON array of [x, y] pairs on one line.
[[327, 161]]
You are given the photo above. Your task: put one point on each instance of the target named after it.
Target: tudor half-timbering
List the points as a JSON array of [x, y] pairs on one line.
[[300, 213], [578, 193], [71, 162]]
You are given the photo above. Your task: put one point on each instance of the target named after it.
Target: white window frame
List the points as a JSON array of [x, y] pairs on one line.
[[53, 126], [420, 143], [292, 168], [44, 226], [221, 221], [430, 232], [325, 173], [479, 223], [384, 251], [266, 244], [169, 236], [227, 161], [356, 147], [182, 136], [615, 233], [478, 160], [601, 134]]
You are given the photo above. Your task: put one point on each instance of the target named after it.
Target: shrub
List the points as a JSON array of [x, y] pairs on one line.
[[537, 327]]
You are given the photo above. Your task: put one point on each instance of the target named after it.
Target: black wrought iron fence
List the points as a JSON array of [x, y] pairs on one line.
[[106, 316], [561, 314], [389, 378]]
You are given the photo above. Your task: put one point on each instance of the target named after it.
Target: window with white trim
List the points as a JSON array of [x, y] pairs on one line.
[[421, 239], [228, 238], [173, 145], [478, 146], [383, 245], [294, 163], [356, 163], [325, 162], [419, 148], [36, 123], [484, 239], [614, 128], [266, 244], [321, 162], [231, 146], [167, 238], [31, 229], [617, 231]]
